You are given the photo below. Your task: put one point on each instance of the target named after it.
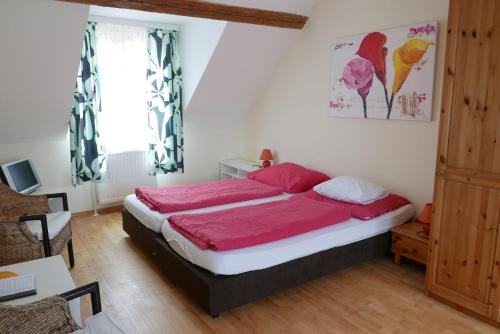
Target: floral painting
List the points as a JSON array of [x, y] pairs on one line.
[[387, 74]]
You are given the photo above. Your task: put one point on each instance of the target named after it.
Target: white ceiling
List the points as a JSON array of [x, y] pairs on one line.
[[241, 64], [137, 15], [41, 42], [302, 7]]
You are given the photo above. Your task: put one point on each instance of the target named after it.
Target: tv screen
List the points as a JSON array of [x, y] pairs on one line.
[[21, 176]]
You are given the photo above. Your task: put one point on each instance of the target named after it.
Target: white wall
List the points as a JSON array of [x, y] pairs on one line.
[[41, 41], [40, 45], [51, 160], [198, 39], [292, 115], [224, 66], [240, 66]]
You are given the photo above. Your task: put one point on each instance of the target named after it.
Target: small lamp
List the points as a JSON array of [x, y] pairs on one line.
[[266, 156], [425, 218]]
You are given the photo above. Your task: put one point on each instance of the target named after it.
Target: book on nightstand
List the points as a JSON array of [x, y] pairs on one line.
[[17, 287]]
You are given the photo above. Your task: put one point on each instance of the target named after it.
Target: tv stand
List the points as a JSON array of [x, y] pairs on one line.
[[55, 204]]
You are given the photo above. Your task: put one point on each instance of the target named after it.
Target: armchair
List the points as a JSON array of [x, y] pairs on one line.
[[52, 315], [28, 230]]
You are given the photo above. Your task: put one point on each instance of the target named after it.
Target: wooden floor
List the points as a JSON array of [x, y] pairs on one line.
[[375, 297]]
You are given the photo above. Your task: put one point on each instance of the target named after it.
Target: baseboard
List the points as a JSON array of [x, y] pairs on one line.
[[111, 209]]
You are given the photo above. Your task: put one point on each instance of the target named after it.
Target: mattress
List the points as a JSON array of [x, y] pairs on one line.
[[266, 255], [154, 220]]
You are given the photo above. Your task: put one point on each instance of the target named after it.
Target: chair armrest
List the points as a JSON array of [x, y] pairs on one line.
[[45, 231], [95, 296], [64, 198]]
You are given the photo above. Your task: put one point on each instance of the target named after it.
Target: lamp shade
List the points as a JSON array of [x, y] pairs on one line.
[[266, 154], [425, 215]]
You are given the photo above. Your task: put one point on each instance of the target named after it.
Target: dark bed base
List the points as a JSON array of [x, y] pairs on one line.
[[217, 293]]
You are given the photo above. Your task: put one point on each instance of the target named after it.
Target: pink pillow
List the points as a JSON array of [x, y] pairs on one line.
[[291, 177], [389, 203]]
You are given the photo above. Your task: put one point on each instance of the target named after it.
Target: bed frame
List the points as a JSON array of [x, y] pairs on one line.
[[217, 293]]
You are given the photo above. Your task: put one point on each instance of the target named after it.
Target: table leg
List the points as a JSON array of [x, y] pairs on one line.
[[397, 258]]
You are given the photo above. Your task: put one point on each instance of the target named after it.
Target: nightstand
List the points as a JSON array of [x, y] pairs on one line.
[[409, 241], [237, 168]]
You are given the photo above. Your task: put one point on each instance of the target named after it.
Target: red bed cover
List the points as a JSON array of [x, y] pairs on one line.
[[202, 195], [257, 224]]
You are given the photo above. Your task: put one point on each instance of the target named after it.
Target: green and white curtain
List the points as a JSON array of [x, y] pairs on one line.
[[88, 162], [164, 99]]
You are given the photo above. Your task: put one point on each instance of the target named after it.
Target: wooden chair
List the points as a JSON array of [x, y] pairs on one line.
[[28, 230]]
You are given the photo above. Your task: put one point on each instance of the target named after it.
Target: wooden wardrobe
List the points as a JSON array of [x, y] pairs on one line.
[[464, 259]]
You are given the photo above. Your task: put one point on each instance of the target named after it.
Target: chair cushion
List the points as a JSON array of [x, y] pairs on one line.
[[100, 324], [55, 222]]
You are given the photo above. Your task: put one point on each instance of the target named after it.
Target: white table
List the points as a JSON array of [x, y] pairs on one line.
[[51, 278], [237, 168], [55, 204]]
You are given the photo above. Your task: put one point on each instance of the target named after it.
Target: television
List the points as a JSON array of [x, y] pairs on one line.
[[21, 176]]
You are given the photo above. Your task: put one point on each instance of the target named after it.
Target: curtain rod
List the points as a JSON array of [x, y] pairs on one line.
[[129, 22]]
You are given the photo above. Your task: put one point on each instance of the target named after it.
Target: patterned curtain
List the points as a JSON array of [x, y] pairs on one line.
[[88, 162], [164, 100]]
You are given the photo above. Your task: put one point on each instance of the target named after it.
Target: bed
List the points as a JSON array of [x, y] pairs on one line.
[[222, 280], [238, 261]]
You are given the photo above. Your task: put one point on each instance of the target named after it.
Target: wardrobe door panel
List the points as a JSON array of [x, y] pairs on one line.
[[464, 257], [475, 122], [467, 239]]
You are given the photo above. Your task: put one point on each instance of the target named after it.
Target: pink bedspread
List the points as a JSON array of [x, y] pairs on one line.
[[257, 224], [202, 195], [363, 212]]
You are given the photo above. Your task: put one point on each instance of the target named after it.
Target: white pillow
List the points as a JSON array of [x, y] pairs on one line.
[[351, 189]]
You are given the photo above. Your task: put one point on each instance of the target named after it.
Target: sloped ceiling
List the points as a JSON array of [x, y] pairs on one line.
[[41, 43], [240, 65]]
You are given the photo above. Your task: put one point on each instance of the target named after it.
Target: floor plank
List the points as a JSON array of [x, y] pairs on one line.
[[374, 297]]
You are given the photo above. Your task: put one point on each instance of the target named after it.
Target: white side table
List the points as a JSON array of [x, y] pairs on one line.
[[237, 168], [51, 278], [55, 204]]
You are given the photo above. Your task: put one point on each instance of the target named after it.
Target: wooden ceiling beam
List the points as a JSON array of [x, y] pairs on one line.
[[207, 10]]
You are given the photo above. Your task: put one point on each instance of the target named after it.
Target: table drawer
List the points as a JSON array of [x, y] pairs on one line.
[[412, 249]]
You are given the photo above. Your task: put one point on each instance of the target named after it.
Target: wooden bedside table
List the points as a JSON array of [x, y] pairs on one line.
[[408, 240]]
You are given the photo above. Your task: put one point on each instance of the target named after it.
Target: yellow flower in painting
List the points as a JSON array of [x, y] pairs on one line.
[[404, 58]]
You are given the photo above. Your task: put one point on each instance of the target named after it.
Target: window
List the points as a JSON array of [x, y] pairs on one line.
[[122, 63]]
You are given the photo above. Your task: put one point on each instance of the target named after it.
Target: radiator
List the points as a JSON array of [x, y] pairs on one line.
[[126, 171]]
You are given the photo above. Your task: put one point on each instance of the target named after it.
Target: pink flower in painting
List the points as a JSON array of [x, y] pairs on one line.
[[358, 74]]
